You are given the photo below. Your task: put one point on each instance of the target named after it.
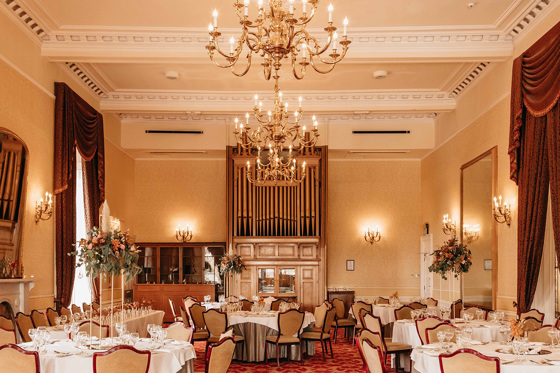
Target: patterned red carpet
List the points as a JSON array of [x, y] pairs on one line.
[[346, 360]]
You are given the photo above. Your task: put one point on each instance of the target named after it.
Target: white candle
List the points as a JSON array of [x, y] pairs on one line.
[[291, 6], [304, 8], [231, 42], [260, 4], [335, 38], [247, 118], [215, 14], [210, 29], [300, 101], [246, 8], [304, 50], [256, 100], [345, 25], [330, 12], [236, 122], [280, 95]]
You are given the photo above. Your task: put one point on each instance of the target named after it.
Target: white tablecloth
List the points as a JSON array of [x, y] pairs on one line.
[[212, 305], [404, 331], [171, 358], [425, 363], [385, 313], [270, 319]]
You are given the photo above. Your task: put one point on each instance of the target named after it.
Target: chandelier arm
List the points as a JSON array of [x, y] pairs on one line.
[[304, 21], [256, 47], [246, 69], [332, 66], [318, 50], [302, 69], [220, 65], [335, 59]]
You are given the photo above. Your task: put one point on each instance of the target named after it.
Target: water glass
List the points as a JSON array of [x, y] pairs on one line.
[[441, 337], [504, 331], [64, 319], [479, 314], [134, 338], [449, 333]]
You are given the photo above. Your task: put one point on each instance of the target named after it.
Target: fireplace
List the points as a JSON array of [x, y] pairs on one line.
[[14, 295]]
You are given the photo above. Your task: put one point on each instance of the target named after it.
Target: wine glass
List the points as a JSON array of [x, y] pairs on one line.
[[32, 334], [152, 330], [64, 319], [479, 313], [134, 338], [57, 322], [552, 336], [120, 328], [504, 331], [449, 333], [441, 337]]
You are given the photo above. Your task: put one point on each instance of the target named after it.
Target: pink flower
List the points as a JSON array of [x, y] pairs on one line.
[[121, 246], [89, 247]]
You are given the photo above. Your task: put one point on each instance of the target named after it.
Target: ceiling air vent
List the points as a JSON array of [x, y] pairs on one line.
[[176, 132], [380, 132]]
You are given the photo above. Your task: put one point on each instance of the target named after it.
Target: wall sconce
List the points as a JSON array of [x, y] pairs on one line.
[[43, 209], [502, 212], [183, 234], [372, 236], [471, 233], [449, 227]]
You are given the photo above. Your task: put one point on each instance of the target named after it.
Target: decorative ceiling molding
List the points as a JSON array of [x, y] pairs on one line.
[[528, 16], [86, 78], [25, 18], [334, 118], [314, 102], [469, 79]]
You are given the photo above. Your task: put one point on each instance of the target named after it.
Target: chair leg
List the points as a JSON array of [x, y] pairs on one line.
[[335, 333], [323, 347], [206, 349], [301, 351], [277, 354], [266, 352], [330, 344]]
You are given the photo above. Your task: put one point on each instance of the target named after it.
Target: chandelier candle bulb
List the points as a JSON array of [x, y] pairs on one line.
[[335, 38], [291, 7], [247, 118], [304, 6], [345, 26], [246, 8], [215, 15], [331, 8], [231, 42], [260, 5], [300, 101]]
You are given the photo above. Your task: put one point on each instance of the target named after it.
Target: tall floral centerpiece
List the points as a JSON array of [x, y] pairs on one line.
[[108, 252], [453, 257], [230, 265]]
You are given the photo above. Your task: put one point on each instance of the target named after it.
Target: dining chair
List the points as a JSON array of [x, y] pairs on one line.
[[387, 347], [456, 308], [357, 309], [324, 334], [472, 311], [531, 324], [51, 315], [84, 326], [247, 305], [95, 306], [319, 314], [289, 329], [14, 359], [24, 323], [184, 316], [466, 360], [172, 306], [6, 323], [122, 359], [431, 333], [219, 356], [381, 300], [540, 335], [75, 309], [7, 336], [275, 305], [200, 331], [372, 357], [532, 313], [417, 305], [85, 307], [425, 323], [39, 319], [431, 302], [180, 332], [216, 323], [65, 312], [403, 313], [371, 322], [187, 303], [340, 320]]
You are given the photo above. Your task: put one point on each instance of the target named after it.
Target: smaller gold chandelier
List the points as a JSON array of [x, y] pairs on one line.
[[471, 233], [372, 236], [43, 209], [183, 234], [449, 227], [502, 212], [282, 136], [277, 33]]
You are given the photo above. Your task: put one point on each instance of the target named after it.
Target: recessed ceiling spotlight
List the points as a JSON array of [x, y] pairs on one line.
[[380, 74], [471, 5], [172, 75]]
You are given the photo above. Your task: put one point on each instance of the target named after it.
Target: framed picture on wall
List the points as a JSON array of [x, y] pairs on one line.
[[487, 264], [349, 265]]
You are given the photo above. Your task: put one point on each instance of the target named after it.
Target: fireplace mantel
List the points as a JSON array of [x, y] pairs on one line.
[[16, 292]]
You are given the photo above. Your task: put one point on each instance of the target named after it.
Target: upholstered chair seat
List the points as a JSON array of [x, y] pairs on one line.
[[95, 330], [75, 309], [65, 312], [403, 313], [530, 324], [319, 314], [51, 315]]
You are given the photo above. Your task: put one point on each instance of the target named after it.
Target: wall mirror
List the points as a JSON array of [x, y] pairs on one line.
[[13, 163], [479, 229]]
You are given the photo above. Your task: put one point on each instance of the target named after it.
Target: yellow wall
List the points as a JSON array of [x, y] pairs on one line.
[[362, 193], [173, 192]]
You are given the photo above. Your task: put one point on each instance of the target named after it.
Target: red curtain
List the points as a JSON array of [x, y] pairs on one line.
[[77, 126], [535, 155]]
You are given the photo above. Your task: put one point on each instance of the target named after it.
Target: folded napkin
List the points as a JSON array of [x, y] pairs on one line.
[[534, 351], [475, 342], [553, 362]]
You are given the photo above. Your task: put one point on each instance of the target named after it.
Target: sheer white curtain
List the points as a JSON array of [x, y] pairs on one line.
[[545, 298], [82, 290]]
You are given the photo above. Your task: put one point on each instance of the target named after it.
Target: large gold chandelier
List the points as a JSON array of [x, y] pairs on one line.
[[279, 33], [281, 136]]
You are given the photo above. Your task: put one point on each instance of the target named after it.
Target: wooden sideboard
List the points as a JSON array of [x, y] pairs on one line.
[[347, 296], [159, 294]]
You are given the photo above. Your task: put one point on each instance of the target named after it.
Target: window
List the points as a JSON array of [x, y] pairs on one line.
[[212, 257], [82, 290]]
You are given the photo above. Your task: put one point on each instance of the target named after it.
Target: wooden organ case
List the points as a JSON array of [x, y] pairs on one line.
[[279, 230]]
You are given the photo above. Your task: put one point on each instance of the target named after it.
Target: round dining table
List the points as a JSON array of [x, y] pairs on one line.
[[404, 331], [255, 327], [426, 358], [65, 357]]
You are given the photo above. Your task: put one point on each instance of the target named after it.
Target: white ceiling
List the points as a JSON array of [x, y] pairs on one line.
[[431, 49]]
